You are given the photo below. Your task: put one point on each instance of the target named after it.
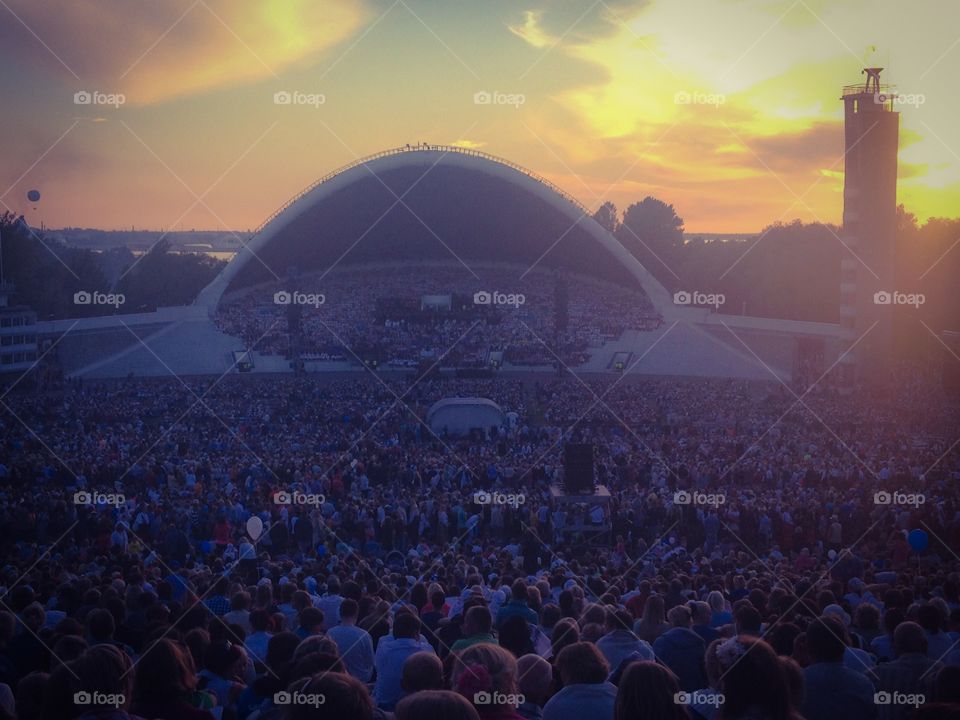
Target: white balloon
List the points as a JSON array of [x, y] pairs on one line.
[[254, 527]]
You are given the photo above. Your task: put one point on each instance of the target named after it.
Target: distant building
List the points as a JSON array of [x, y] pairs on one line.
[[18, 333]]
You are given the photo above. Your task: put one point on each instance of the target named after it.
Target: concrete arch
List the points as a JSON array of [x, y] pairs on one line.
[[428, 156]]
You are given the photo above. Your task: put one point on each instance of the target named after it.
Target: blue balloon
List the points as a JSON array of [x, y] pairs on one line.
[[206, 547], [33, 195], [918, 539]]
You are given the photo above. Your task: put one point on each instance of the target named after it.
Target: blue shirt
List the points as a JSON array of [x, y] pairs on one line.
[[834, 691], [356, 650], [582, 700], [389, 659]]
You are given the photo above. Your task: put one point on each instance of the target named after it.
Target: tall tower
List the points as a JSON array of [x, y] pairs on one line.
[[871, 132]]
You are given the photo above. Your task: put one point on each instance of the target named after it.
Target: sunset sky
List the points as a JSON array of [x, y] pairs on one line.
[[200, 142]]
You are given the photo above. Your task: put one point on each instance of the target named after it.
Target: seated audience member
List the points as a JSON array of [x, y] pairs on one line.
[[421, 671], [755, 683], [701, 614], [354, 643], [390, 657], [586, 692], [486, 674], [514, 635], [620, 643], [435, 705], [912, 673], [649, 691], [477, 625], [517, 605], [166, 683], [343, 697], [833, 691], [682, 650], [536, 675]]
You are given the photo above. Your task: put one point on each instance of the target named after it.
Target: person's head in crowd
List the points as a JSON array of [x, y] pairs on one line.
[[825, 638], [593, 613], [582, 663], [679, 616], [67, 648], [32, 692], [867, 617], [891, 618], [653, 611], [315, 644], [198, 641], [535, 676], [343, 697], [549, 616], [701, 613], [753, 680], [747, 620], [349, 610], [310, 620], [435, 705], [591, 632], [227, 659], [781, 638], [309, 664], [100, 626], [477, 621], [930, 618], [648, 691], [240, 601], [421, 671], [565, 632], [103, 671], [406, 625], [259, 620], [33, 617], [909, 638], [486, 671], [280, 649], [716, 601], [514, 635], [165, 673]]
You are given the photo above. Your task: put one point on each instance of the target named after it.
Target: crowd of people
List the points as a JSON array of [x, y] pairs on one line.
[[399, 313], [306, 547]]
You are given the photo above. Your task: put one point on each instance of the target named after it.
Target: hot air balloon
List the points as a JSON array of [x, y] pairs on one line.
[[33, 195]]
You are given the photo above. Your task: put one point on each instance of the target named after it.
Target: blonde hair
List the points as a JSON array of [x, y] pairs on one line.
[[498, 662]]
